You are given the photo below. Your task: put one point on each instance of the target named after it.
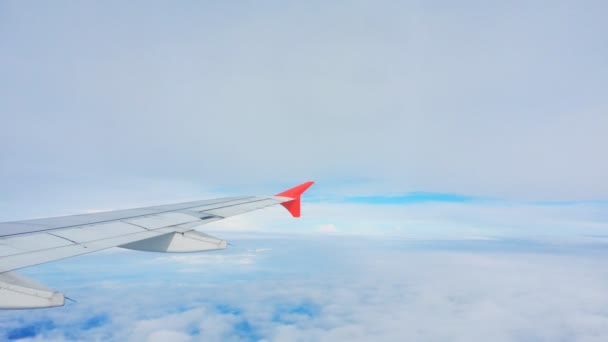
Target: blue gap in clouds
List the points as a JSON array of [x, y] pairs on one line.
[[427, 197], [227, 309], [411, 198], [30, 330], [194, 331], [96, 321], [570, 203], [245, 331], [288, 314]]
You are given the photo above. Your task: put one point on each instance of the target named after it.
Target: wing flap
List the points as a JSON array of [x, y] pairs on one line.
[[190, 241], [19, 292]]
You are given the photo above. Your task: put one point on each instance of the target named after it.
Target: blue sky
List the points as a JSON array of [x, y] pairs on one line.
[[457, 151]]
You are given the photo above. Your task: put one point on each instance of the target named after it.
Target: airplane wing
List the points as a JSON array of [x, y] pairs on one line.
[[164, 228]]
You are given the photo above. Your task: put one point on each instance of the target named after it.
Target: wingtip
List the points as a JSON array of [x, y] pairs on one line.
[[297, 190], [295, 193]]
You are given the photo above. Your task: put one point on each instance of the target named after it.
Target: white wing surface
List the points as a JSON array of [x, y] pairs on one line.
[[165, 228]]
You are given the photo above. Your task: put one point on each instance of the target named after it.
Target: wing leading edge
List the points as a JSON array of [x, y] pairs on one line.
[[166, 228]]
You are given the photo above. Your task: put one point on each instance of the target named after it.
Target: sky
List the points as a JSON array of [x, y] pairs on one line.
[[457, 152]]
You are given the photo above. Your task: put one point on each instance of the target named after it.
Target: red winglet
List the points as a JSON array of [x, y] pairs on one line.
[[293, 206]]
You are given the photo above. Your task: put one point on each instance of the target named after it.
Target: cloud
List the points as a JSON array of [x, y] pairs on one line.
[[214, 259], [352, 289], [411, 198], [327, 228], [167, 335]]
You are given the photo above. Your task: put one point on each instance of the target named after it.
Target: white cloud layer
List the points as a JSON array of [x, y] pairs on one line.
[[345, 289]]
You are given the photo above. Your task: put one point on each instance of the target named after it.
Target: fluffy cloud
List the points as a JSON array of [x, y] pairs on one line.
[[327, 228], [337, 288], [168, 335]]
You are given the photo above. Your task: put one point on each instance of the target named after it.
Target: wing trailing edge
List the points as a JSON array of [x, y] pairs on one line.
[[19, 292], [186, 242]]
